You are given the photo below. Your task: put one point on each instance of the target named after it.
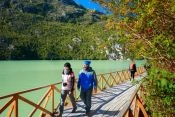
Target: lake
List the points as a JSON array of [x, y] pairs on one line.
[[21, 75]]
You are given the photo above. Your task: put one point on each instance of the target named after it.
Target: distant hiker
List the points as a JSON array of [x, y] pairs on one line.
[[68, 79], [132, 69], [87, 81]]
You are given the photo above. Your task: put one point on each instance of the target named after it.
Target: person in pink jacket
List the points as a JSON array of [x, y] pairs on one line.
[[68, 79]]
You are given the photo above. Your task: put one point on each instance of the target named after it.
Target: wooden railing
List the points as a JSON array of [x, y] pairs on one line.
[[135, 107], [12, 105]]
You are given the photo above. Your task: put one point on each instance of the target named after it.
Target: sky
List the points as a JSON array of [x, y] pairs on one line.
[[90, 5]]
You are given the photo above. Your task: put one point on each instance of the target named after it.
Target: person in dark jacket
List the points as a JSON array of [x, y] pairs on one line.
[[86, 82], [132, 69], [68, 80]]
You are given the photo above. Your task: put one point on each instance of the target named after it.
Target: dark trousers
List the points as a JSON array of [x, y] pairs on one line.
[[64, 93], [132, 74], [86, 98]]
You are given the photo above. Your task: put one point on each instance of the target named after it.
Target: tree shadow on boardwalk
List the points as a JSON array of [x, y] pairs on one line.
[[107, 113], [109, 95], [94, 113], [98, 101]]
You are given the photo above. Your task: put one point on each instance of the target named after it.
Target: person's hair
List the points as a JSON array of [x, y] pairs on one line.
[[69, 66]]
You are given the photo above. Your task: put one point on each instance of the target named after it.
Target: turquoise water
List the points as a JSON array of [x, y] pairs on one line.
[[18, 76], [22, 75]]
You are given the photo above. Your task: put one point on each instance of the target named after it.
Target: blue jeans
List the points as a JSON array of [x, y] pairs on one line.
[[86, 98]]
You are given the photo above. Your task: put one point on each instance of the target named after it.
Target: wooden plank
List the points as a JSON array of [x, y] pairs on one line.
[[106, 111], [127, 105], [119, 103], [111, 107], [123, 107]]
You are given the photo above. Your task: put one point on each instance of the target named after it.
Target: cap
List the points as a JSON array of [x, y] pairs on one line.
[[87, 62]]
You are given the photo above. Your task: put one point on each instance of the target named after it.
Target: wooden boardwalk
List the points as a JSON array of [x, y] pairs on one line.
[[110, 102]]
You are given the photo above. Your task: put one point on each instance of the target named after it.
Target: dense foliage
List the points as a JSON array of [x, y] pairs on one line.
[[50, 29], [147, 28]]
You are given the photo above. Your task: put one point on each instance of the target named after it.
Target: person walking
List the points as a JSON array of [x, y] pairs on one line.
[[68, 80], [86, 82], [132, 69]]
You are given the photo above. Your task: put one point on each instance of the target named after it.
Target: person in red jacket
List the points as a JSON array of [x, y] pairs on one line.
[[132, 69]]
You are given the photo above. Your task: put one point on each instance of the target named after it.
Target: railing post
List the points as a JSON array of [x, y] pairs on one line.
[[102, 86], [124, 75], [52, 87], [141, 69], [124, 72], [101, 83], [138, 70], [120, 79], [16, 106], [110, 80], [136, 109], [117, 77]]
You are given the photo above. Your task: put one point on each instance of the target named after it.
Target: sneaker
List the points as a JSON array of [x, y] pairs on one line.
[[74, 109]]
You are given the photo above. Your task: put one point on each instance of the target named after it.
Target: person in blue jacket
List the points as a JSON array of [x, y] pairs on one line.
[[86, 82]]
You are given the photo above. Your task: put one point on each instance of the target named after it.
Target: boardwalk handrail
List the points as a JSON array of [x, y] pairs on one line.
[[104, 81], [135, 106]]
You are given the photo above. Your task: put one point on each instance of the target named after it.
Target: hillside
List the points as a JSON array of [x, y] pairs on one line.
[[50, 29]]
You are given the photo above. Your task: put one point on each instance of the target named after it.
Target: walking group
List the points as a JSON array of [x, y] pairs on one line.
[[87, 82]]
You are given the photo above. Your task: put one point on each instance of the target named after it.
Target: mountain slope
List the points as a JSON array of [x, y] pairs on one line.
[[50, 29], [52, 10]]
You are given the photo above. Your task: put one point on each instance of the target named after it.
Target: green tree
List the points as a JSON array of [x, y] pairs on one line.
[[148, 31]]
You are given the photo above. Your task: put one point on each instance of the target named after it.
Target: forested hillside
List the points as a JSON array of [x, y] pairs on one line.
[[51, 29]]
